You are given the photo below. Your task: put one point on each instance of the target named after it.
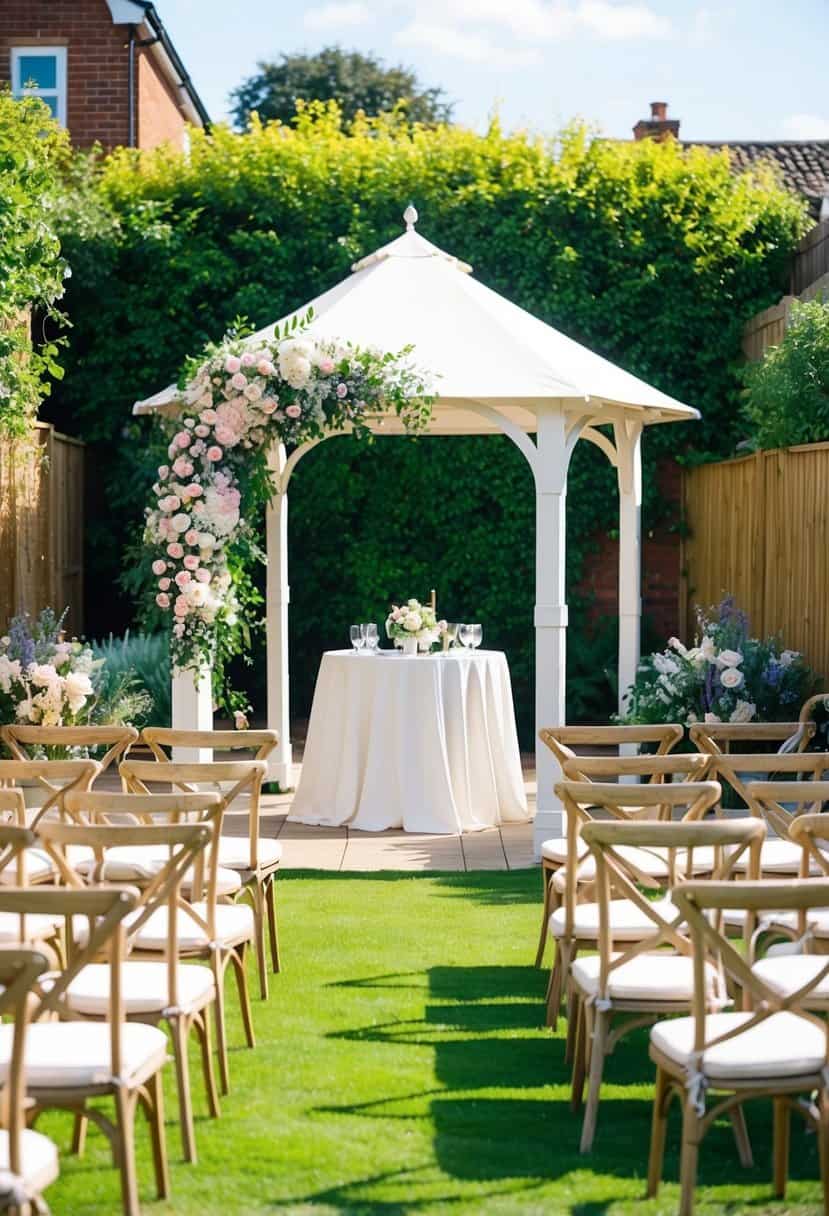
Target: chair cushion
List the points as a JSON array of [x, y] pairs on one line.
[[73, 1054], [776, 857], [629, 923], [648, 977], [39, 925], [783, 1045], [144, 988], [234, 923], [234, 852], [555, 849], [39, 1159], [134, 863], [785, 973], [39, 866]]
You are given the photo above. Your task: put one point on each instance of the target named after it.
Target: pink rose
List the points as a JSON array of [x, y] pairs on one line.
[[175, 549], [327, 365], [203, 575], [198, 506], [192, 537], [171, 503], [182, 440], [182, 467], [268, 405], [232, 364], [191, 562], [163, 471], [208, 416], [293, 411], [202, 431], [181, 606], [214, 453], [342, 390], [183, 578], [239, 380], [159, 566], [162, 600], [265, 367], [193, 490], [248, 359], [164, 584], [226, 436]]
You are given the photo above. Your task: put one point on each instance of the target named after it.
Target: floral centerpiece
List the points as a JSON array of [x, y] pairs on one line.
[[726, 676], [46, 680], [237, 400], [414, 626]]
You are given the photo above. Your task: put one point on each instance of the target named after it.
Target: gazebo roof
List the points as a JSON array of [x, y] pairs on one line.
[[481, 348]]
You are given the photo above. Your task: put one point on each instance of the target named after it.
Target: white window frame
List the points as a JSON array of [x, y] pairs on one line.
[[42, 52]]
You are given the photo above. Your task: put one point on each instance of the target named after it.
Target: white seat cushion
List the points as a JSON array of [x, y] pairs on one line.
[[650, 862], [783, 1045], [39, 1159], [135, 863], [72, 1054], [144, 988], [776, 857], [629, 923], [555, 849], [39, 867], [785, 973], [648, 977], [234, 923], [38, 925], [234, 852]]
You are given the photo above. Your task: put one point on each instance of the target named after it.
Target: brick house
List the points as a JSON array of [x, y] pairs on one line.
[[106, 68]]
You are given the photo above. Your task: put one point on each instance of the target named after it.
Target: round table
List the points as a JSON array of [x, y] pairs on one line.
[[426, 743]]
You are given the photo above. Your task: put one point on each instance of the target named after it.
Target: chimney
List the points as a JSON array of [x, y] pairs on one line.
[[659, 126]]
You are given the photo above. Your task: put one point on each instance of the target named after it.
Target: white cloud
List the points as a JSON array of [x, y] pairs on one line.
[[464, 44], [337, 15], [806, 126], [620, 21]]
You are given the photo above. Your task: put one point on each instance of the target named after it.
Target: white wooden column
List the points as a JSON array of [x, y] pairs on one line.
[[550, 610], [280, 762], [628, 436], [192, 710]]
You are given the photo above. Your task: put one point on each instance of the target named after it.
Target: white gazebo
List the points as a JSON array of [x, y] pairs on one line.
[[497, 369]]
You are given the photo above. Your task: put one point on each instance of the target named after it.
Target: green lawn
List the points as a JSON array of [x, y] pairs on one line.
[[402, 1067]]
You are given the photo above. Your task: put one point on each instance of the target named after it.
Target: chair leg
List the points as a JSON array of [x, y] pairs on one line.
[[598, 1049], [219, 962], [782, 1131], [258, 898], [558, 976], [125, 1150], [659, 1127], [547, 880], [823, 1143], [577, 1085], [688, 1160], [741, 1137], [155, 1114], [237, 958], [79, 1130], [273, 927], [178, 1032], [202, 1025], [571, 999]]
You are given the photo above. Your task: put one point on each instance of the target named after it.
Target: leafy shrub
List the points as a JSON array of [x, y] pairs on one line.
[[787, 393], [145, 660]]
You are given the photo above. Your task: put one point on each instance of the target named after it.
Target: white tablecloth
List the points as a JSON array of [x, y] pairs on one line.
[[427, 744]]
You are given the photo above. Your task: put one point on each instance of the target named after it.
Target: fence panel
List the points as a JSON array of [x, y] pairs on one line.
[[758, 529], [41, 526]]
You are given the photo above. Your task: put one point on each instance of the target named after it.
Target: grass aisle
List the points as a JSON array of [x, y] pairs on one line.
[[402, 1067]]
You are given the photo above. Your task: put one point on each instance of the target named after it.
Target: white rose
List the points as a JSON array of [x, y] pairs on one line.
[[413, 622], [744, 711], [206, 540], [180, 522], [77, 687], [731, 677], [708, 650], [712, 719], [43, 675], [9, 671], [295, 369], [788, 657], [729, 658]]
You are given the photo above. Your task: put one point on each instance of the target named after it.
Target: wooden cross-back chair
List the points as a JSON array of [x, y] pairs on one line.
[[229, 928], [576, 924], [73, 1061], [776, 1047], [254, 858], [732, 738], [28, 1160], [652, 768], [53, 778], [23, 740], [640, 980], [182, 996], [18, 846]]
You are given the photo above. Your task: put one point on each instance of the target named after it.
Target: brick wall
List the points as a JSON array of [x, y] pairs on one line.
[[660, 566], [159, 118], [97, 91]]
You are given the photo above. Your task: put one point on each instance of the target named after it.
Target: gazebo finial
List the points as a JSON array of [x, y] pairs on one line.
[[411, 217]]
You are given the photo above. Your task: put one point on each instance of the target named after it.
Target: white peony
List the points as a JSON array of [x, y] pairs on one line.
[[743, 712], [731, 677], [77, 687], [295, 369]]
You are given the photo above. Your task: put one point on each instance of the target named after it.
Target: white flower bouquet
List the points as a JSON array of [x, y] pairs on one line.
[[414, 621]]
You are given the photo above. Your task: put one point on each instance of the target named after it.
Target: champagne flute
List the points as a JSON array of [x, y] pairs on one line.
[[451, 634], [476, 636], [357, 638], [371, 638]]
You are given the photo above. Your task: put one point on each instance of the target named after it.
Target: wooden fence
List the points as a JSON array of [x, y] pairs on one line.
[[41, 526], [758, 529], [811, 261]]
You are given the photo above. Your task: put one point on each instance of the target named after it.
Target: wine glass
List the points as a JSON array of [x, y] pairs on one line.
[[357, 638], [476, 636], [464, 635], [371, 639], [451, 633]]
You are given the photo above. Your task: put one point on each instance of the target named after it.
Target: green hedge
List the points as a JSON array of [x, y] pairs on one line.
[[653, 255]]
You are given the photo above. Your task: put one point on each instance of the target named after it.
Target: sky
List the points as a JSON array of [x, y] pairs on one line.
[[737, 70]]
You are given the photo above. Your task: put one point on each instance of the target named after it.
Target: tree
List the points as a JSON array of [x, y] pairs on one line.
[[787, 397], [354, 81]]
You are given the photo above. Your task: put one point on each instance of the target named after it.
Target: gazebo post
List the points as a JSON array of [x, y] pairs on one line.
[[277, 596], [192, 709], [628, 435], [550, 609]]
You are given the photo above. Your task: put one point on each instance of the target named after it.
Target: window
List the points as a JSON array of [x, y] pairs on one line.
[[40, 71]]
